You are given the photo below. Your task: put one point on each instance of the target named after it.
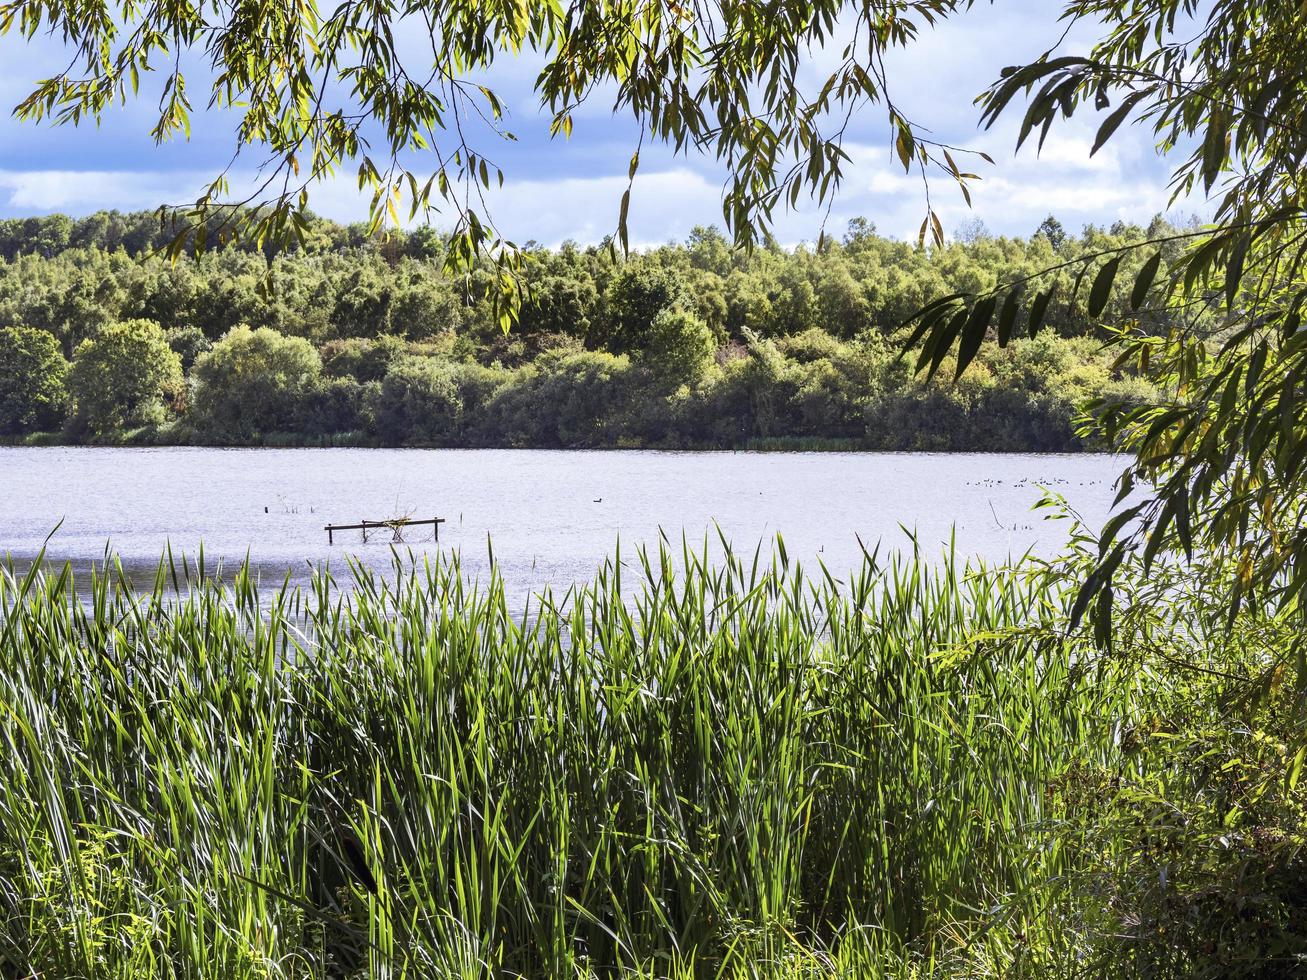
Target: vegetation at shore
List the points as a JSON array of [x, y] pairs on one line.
[[1090, 767], [690, 767], [366, 340]]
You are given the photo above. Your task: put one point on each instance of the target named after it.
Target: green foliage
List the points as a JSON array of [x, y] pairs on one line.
[[188, 343], [316, 92], [253, 381], [680, 346], [361, 358], [1052, 229], [567, 399], [953, 763], [1223, 444], [919, 770], [684, 311], [336, 406], [812, 345], [559, 304], [635, 298], [437, 783], [419, 403], [1189, 850], [124, 376], [33, 381]]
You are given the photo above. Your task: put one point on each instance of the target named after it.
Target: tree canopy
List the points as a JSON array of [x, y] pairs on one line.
[[1224, 448], [371, 85], [123, 375], [698, 345], [33, 376]]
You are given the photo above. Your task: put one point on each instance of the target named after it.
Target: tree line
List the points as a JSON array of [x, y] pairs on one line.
[[348, 337]]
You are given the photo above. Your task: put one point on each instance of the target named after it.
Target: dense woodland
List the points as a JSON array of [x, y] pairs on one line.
[[351, 338]]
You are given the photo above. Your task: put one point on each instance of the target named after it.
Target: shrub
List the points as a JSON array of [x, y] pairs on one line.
[[124, 375], [188, 343], [811, 345], [577, 400], [419, 403], [253, 381], [336, 405], [362, 358], [478, 387], [33, 380], [680, 347]]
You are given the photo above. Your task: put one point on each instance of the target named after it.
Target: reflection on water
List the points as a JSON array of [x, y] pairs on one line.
[[550, 517]]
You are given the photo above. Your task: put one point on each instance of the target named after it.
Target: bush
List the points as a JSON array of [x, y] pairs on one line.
[[253, 381], [478, 386], [337, 405], [33, 381], [419, 403], [124, 376], [188, 343], [681, 347], [361, 358], [811, 345], [577, 400]]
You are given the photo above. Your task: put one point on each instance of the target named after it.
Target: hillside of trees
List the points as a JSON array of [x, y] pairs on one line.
[[351, 339]]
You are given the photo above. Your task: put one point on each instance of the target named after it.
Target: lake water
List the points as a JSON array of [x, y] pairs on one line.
[[553, 517]]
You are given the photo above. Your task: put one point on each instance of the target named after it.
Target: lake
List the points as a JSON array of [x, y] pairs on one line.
[[553, 517]]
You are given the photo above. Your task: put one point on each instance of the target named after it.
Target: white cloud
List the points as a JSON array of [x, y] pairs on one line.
[[1012, 198], [664, 204], [79, 191], [559, 189]]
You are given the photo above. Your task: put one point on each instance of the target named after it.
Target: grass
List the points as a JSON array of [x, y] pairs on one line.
[[745, 770]]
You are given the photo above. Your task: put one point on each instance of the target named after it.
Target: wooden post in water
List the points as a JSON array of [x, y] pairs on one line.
[[395, 526]]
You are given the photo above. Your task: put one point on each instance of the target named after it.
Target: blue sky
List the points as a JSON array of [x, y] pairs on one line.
[[559, 189]]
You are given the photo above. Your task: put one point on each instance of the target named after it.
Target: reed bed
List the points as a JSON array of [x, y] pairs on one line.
[[746, 769]]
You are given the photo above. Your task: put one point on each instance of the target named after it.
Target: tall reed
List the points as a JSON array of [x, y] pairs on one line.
[[747, 769]]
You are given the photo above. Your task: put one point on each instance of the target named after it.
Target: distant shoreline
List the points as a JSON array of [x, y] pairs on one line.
[[780, 444]]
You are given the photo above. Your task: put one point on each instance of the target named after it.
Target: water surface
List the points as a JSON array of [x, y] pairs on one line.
[[553, 517]]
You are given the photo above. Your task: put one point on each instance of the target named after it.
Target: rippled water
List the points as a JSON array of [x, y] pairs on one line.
[[553, 517]]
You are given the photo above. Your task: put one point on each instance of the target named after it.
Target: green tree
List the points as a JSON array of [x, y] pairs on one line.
[[188, 343], [1223, 448], [33, 380], [680, 346], [125, 376], [1052, 229], [772, 292], [337, 405], [573, 399], [316, 91], [560, 304], [252, 381], [844, 307], [419, 403], [635, 297], [362, 358]]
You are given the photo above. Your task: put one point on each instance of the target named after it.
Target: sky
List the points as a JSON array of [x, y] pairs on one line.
[[558, 189]]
